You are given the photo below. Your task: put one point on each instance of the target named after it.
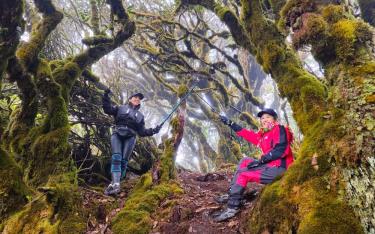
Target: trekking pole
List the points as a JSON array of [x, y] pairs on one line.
[[212, 108], [235, 108], [215, 111], [179, 103]]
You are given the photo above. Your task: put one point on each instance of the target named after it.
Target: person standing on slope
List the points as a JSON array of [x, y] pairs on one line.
[[129, 122]]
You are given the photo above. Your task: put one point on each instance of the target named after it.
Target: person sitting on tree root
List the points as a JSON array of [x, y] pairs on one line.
[[129, 121], [274, 140]]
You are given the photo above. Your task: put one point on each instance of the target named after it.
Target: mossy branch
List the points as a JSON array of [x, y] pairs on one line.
[[11, 26], [28, 52], [228, 17], [94, 21], [104, 45]]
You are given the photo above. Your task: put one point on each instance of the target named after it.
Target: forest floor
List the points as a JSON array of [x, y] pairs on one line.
[[190, 212]]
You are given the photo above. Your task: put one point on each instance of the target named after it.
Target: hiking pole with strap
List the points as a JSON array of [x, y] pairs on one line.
[[179, 103], [217, 112], [235, 108], [212, 108]]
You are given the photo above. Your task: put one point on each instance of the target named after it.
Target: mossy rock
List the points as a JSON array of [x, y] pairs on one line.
[[142, 202], [41, 217]]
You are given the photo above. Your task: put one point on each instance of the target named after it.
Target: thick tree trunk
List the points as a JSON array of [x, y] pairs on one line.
[[13, 191]]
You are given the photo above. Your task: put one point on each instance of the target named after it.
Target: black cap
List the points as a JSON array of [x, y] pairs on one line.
[[140, 95], [267, 111]]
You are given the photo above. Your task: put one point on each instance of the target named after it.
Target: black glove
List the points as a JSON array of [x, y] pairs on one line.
[[265, 159], [253, 164], [225, 120], [156, 129], [235, 127]]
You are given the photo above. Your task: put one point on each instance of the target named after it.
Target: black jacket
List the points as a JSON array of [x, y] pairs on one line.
[[127, 115]]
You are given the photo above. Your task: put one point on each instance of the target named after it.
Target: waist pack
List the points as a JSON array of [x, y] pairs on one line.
[[124, 131]]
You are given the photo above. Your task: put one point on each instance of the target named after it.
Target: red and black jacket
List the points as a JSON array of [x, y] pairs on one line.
[[275, 145]]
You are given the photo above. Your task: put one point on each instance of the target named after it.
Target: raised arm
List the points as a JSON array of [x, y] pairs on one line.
[[107, 104], [248, 135]]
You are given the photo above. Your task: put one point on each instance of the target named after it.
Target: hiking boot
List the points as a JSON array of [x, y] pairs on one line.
[[222, 199], [112, 189], [226, 214]]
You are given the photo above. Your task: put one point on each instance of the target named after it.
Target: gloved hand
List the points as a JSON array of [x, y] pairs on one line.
[[225, 120], [253, 164], [265, 159], [156, 129]]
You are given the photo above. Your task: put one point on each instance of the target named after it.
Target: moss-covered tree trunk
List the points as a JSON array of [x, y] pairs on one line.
[[42, 150], [13, 191], [336, 118]]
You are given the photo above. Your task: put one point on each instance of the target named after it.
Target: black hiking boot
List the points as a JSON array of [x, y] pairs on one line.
[[222, 199], [226, 214]]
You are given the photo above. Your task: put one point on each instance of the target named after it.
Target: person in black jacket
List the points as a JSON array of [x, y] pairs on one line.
[[129, 122]]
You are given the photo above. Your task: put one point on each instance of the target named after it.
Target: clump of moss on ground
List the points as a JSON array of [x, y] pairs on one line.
[[143, 201]]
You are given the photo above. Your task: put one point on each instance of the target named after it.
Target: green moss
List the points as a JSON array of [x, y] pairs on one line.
[[11, 21], [99, 39], [48, 152], [14, 193], [333, 13], [313, 27], [273, 204], [57, 210], [41, 217], [344, 32], [66, 76], [370, 99], [318, 208], [301, 83], [276, 6], [321, 209], [142, 202], [272, 55], [236, 150], [349, 37], [56, 64], [221, 11], [45, 83], [223, 91], [182, 90], [329, 217], [249, 119], [167, 164], [28, 52], [32, 219]]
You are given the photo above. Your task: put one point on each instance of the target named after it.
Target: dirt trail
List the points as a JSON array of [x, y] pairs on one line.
[[187, 213]]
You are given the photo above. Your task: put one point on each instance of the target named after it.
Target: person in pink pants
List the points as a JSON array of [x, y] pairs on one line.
[[274, 140]]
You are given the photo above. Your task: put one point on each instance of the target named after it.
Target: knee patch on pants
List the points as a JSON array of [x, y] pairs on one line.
[[116, 163]]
